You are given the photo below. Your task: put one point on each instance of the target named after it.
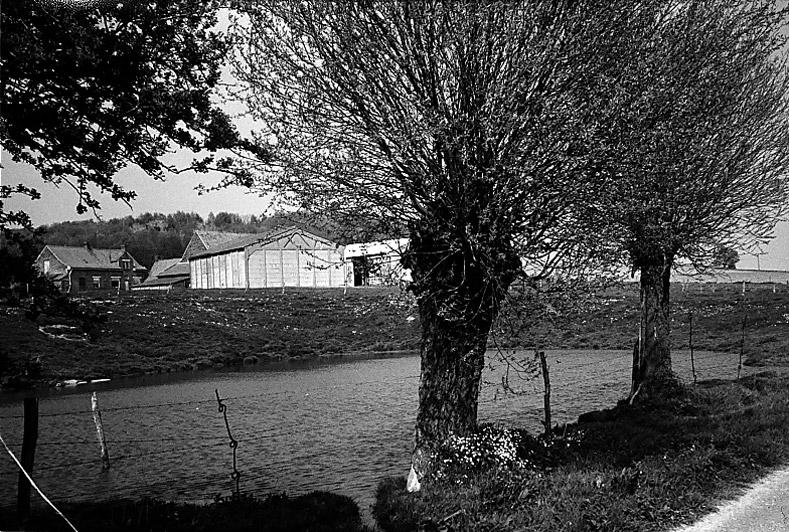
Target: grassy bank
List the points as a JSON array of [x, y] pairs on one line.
[[627, 469], [159, 333], [610, 319], [155, 333], [316, 512]]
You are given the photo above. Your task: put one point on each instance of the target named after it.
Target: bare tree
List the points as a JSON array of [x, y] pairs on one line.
[[695, 128], [459, 120]]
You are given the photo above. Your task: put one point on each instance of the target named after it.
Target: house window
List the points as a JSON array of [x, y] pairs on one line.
[[82, 283], [46, 266], [126, 264], [136, 280], [96, 281], [115, 281]]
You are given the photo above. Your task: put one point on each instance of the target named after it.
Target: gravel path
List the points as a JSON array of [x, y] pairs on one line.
[[763, 508]]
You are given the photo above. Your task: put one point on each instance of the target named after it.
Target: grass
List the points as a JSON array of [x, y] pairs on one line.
[[635, 469], [610, 319], [313, 512], [159, 333], [193, 330]]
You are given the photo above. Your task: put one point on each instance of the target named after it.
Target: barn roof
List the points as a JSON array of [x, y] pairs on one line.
[[212, 239], [161, 265], [84, 257], [247, 240], [167, 271], [179, 268]]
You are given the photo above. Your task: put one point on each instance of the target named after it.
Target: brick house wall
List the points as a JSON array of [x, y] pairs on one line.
[[85, 280]]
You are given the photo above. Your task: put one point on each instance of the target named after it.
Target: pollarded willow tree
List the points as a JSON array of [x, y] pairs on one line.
[[458, 119], [695, 124]]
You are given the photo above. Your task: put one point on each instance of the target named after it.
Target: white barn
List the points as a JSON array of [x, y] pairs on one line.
[[377, 263], [283, 257]]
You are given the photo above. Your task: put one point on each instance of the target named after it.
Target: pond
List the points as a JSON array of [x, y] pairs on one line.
[[334, 426]]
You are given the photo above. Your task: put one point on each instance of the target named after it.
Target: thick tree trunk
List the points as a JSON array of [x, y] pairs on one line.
[[453, 356], [459, 296], [654, 372]]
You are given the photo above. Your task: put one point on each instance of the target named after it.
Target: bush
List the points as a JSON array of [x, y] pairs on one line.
[[313, 512]]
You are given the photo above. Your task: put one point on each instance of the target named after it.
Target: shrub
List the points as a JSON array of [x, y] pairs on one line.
[[314, 512]]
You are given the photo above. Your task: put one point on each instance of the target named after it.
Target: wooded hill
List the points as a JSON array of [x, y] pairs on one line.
[[154, 235]]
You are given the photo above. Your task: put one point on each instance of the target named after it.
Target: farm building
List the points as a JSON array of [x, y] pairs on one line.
[[166, 274], [377, 263], [83, 269], [205, 240], [284, 257]]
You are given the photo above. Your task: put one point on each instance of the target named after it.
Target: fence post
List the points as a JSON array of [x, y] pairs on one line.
[[29, 438], [690, 341], [105, 455], [742, 345], [546, 379], [235, 475]]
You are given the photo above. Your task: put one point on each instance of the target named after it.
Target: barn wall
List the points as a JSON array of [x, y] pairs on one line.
[[295, 260]]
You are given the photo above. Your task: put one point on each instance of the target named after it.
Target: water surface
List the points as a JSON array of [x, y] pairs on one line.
[[339, 426]]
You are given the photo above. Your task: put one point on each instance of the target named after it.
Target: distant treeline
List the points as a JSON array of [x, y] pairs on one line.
[[152, 235]]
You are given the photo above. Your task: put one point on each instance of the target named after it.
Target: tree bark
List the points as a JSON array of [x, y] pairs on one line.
[[459, 297], [654, 362], [453, 356]]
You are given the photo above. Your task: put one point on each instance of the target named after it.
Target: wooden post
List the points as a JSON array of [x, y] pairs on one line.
[[29, 438], [105, 456], [742, 345], [690, 341], [547, 397]]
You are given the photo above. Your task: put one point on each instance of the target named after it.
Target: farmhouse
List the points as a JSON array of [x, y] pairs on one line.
[[83, 269], [283, 257]]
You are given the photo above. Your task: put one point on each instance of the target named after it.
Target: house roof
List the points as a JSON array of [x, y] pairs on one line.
[[247, 240], [91, 258]]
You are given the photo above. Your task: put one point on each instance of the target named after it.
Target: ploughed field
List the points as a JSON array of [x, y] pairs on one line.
[[154, 333]]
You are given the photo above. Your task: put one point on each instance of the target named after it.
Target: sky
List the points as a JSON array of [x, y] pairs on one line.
[[177, 193]]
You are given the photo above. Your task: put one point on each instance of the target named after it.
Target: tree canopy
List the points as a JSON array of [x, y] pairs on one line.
[[693, 134], [461, 119], [91, 87]]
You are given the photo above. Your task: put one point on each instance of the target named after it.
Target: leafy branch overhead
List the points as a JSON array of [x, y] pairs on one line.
[[90, 88]]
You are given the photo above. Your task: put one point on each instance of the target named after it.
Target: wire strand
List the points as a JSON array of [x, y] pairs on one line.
[[35, 486]]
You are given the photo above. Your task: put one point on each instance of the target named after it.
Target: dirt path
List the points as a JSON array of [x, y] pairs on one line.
[[763, 508]]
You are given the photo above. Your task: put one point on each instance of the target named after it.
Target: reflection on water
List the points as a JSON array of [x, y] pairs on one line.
[[338, 427]]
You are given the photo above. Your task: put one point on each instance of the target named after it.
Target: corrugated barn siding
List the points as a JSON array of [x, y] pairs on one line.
[[294, 260]]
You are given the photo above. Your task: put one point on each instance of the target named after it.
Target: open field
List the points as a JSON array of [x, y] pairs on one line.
[[153, 333]]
